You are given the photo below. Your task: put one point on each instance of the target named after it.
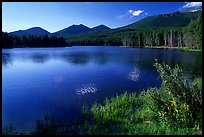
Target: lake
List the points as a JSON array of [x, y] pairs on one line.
[[58, 81]]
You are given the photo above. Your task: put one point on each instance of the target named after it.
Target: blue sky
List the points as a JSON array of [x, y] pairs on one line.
[[54, 16]]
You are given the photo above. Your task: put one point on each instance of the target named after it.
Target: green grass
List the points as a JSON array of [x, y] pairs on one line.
[[165, 47], [190, 49], [129, 114], [173, 109], [178, 48]]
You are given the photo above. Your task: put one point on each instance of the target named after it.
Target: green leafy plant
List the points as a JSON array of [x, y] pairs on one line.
[[180, 101]]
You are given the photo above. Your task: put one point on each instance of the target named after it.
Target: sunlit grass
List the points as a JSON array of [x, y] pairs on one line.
[[165, 111]]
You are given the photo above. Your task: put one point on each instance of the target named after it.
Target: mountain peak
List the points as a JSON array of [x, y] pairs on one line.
[[102, 25], [74, 25], [73, 29], [36, 28], [31, 31], [100, 28]]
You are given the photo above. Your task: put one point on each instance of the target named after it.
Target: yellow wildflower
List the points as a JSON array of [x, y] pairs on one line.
[[186, 106], [173, 102], [162, 114], [159, 113], [176, 110]]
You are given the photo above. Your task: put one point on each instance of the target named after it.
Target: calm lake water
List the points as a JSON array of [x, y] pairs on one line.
[[58, 81]]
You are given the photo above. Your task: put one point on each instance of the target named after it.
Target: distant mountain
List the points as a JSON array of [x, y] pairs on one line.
[[100, 28], [32, 31], [80, 29], [171, 20], [72, 30], [176, 19]]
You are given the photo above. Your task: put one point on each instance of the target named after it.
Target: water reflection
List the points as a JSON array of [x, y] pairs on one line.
[[84, 89], [40, 58], [58, 79], [101, 58], [189, 61], [78, 58], [6, 59], [134, 74]]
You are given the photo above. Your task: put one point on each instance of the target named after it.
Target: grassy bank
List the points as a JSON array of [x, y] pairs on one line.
[[165, 47], [173, 109], [177, 48]]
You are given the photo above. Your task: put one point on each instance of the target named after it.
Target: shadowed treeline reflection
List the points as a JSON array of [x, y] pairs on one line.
[[6, 59], [75, 58], [78, 58], [83, 58], [102, 58], [189, 61], [40, 57]]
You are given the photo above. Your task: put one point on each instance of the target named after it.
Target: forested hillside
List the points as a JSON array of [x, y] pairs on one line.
[[176, 19], [174, 36]]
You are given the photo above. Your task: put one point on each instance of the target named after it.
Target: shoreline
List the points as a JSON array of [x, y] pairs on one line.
[[168, 48], [154, 47]]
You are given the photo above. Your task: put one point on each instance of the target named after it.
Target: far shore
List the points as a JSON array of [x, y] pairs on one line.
[[165, 47], [153, 47]]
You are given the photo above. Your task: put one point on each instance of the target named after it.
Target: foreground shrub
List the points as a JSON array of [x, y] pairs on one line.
[[181, 98], [175, 108]]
